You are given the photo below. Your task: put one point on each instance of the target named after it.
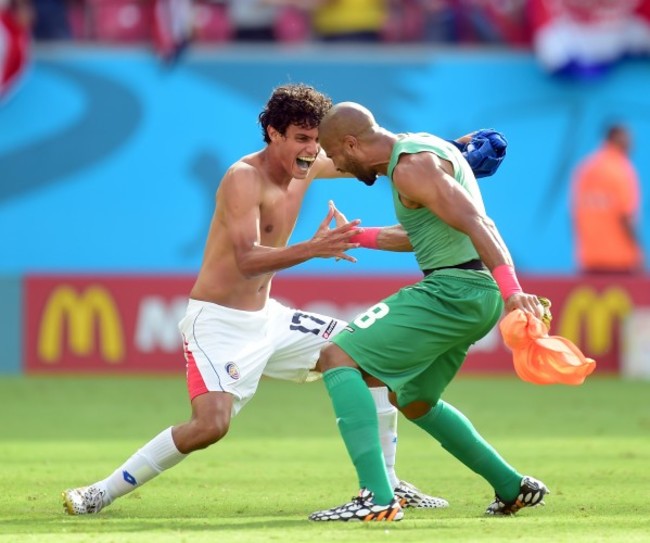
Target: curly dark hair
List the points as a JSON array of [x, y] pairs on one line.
[[296, 104]]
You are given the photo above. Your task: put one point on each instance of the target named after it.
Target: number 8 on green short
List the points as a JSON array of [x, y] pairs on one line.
[[416, 340]]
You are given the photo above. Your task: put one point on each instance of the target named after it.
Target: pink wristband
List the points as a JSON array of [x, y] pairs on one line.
[[367, 238], [506, 280]]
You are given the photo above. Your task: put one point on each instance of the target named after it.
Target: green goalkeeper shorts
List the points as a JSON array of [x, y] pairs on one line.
[[416, 340]]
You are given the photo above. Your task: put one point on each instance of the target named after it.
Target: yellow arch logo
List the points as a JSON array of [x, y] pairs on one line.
[[82, 311], [598, 312]]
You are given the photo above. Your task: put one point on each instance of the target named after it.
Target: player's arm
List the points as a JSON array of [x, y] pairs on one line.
[[462, 142], [386, 238], [422, 179], [484, 150], [627, 198], [393, 238], [240, 194]]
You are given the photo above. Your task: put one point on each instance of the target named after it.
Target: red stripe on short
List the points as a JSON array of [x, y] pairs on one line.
[[195, 383]]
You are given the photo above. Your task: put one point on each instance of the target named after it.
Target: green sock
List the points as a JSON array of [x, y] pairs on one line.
[[456, 433], [356, 417]]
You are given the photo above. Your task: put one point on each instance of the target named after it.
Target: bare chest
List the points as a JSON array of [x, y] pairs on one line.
[[278, 216]]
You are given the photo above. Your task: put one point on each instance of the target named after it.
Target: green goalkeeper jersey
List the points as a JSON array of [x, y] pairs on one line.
[[435, 243]]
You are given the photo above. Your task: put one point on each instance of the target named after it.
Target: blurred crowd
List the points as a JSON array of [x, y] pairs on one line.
[[579, 38], [227, 21]]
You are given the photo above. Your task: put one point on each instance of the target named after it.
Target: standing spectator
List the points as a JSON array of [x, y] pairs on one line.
[[51, 21], [268, 20], [253, 20], [439, 21], [348, 20], [605, 207], [172, 27], [486, 21], [16, 18]]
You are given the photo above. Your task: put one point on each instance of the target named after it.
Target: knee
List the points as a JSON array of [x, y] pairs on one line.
[[416, 409], [207, 432], [326, 360], [371, 381], [332, 357]]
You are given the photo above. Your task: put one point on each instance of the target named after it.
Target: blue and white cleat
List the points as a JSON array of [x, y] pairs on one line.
[[86, 500], [410, 496]]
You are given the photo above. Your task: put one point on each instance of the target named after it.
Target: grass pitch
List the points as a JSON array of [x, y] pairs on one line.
[[283, 459]]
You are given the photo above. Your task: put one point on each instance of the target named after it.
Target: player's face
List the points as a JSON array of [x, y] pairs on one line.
[[346, 162], [300, 148]]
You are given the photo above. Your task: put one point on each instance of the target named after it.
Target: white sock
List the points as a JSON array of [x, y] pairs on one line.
[[152, 459], [387, 414]]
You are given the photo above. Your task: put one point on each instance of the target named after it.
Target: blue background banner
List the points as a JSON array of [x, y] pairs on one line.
[[109, 161]]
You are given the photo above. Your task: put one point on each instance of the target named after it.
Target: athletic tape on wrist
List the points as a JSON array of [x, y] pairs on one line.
[[367, 238], [506, 280]]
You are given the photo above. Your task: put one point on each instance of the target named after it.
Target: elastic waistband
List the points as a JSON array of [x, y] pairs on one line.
[[475, 264], [194, 304]]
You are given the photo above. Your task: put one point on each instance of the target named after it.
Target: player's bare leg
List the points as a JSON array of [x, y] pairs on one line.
[[209, 423]]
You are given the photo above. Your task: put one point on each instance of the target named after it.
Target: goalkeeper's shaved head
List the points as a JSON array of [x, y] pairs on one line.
[[345, 119], [349, 135]]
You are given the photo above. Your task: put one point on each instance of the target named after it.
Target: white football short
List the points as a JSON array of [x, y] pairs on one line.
[[229, 350]]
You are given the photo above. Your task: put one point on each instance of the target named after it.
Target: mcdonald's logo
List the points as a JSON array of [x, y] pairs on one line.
[[91, 310], [597, 312]]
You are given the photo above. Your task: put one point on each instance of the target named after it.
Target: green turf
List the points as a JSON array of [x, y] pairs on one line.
[[283, 459]]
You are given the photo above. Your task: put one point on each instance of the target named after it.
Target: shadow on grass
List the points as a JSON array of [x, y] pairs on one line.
[[104, 524]]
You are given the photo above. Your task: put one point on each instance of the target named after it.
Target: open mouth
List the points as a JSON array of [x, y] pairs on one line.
[[305, 162]]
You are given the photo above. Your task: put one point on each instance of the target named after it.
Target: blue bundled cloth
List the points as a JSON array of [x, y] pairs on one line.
[[484, 152]]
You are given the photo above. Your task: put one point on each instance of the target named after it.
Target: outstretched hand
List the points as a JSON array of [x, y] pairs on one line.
[[334, 242], [339, 218]]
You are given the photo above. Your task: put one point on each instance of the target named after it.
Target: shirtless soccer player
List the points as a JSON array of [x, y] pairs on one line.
[[233, 332]]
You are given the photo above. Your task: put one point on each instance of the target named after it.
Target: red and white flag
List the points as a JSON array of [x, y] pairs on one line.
[[14, 51], [173, 22], [585, 37]]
